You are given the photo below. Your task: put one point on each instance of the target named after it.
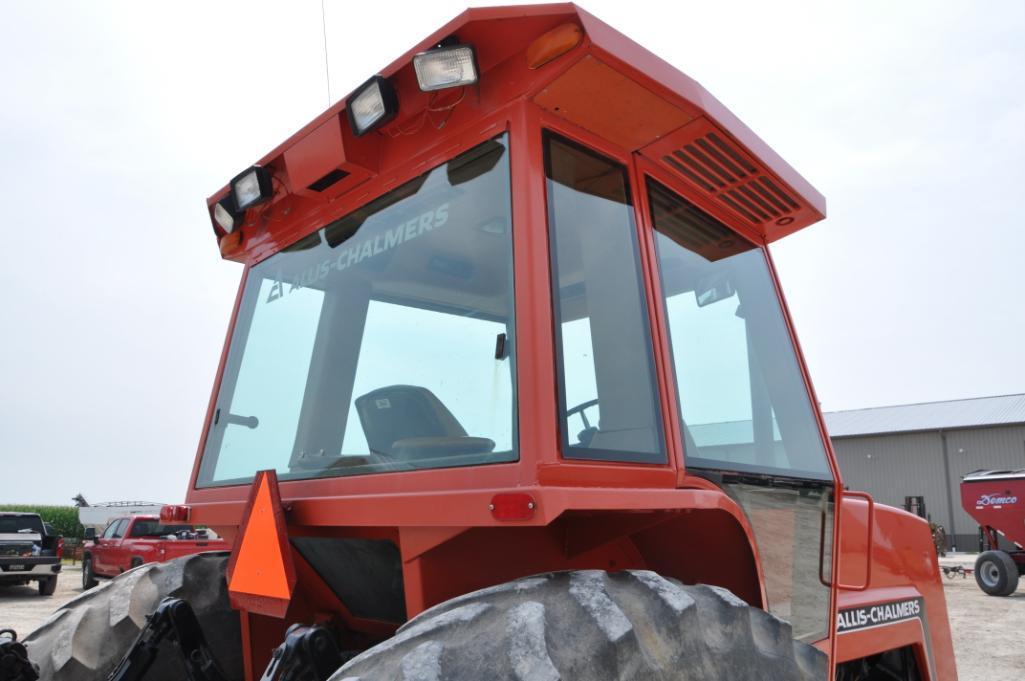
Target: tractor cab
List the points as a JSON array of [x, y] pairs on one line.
[[507, 310]]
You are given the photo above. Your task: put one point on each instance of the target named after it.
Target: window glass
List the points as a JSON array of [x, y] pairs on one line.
[[153, 528], [744, 405], [743, 400], [384, 341], [21, 524], [607, 389], [118, 530]]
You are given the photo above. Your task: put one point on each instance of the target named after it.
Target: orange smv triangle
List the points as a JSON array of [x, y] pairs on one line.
[[260, 566]]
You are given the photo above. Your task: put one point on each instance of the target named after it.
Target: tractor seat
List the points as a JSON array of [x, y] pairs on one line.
[[408, 422]]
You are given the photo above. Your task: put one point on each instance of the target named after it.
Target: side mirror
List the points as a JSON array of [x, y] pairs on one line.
[[90, 534]]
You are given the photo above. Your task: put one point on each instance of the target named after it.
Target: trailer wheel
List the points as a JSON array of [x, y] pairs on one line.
[[47, 586], [593, 626], [996, 573], [83, 640]]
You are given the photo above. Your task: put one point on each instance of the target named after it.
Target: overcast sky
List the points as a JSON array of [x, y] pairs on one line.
[[117, 120]]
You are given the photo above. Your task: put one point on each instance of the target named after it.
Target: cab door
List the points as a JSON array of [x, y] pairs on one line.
[[746, 417], [104, 559]]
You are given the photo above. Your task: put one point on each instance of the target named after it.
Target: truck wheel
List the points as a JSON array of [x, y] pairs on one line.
[[86, 638], [593, 626], [88, 576], [136, 562], [996, 573], [47, 586]]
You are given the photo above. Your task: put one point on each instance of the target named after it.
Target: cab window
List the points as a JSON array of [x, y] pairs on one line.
[[607, 390], [743, 400]]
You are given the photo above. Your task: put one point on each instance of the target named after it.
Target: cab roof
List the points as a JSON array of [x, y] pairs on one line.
[[657, 111]]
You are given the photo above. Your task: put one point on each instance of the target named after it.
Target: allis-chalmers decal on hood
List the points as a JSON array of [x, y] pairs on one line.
[[996, 500], [852, 619]]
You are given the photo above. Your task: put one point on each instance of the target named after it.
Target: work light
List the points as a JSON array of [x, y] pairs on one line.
[[445, 67], [372, 104], [226, 215], [251, 187]]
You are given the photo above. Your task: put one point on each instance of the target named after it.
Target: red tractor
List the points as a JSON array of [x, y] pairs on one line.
[[510, 391], [996, 500]]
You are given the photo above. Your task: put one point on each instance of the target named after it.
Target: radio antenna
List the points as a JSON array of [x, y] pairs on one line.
[[327, 68]]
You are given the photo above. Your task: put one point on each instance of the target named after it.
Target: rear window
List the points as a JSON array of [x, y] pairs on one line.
[[152, 528], [21, 524]]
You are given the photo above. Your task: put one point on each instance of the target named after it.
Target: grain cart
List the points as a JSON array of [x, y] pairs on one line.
[[996, 500], [510, 392]]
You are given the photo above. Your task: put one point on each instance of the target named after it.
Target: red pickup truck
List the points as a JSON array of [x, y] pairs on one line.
[[130, 541]]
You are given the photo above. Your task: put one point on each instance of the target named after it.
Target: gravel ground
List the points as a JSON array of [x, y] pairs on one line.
[[989, 633], [23, 609]]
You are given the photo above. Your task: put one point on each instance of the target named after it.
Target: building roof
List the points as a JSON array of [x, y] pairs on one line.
[[904, 418]]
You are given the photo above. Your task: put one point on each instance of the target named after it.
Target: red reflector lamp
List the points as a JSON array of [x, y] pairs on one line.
[[513, 506], [174, 514]]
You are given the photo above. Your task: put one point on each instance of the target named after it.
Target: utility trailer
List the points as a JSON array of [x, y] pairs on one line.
[[996, 500], [510, 391]]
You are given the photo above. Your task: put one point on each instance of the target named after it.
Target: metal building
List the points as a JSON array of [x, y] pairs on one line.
[[925, 449]]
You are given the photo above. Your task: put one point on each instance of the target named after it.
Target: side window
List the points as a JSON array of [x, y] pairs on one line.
[[108, 533], [743, 400], [143, 528], [607, 391], [119, 528]]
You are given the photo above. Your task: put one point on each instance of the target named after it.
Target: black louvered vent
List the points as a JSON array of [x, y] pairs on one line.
[[717, 167]]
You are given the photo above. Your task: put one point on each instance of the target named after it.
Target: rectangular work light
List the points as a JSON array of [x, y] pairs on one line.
[[372, 104], [445, 67], [226, 215], [251, 187]]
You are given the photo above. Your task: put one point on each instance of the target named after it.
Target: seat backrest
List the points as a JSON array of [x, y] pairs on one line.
[[400, 412]]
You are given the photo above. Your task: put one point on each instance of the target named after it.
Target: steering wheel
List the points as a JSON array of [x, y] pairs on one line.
[[579, 409]]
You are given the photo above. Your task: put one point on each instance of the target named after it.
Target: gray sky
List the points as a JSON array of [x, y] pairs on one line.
[[119, 119]]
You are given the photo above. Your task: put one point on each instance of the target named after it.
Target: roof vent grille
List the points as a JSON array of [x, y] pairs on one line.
[[717, 167]]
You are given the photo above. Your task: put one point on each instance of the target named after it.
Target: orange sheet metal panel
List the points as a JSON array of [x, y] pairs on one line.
[[600, 99]]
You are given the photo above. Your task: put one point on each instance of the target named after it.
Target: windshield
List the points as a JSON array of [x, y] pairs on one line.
[[382, 342]]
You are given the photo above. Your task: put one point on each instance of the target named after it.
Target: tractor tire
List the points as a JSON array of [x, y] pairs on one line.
[[47, 586], [591, 626], [85, 639], [996, 573], [88, 576]]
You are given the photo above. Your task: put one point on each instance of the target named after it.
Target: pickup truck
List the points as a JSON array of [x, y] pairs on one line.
[[130, 541], [28, 552]]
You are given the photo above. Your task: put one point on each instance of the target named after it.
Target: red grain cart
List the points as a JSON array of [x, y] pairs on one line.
[[510, 391], [996, 500]]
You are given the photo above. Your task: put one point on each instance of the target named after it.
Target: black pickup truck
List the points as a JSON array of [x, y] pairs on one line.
[[28, 552]]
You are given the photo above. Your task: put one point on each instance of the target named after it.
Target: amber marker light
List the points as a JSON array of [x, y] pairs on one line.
[[552, 44], [231, 243]]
